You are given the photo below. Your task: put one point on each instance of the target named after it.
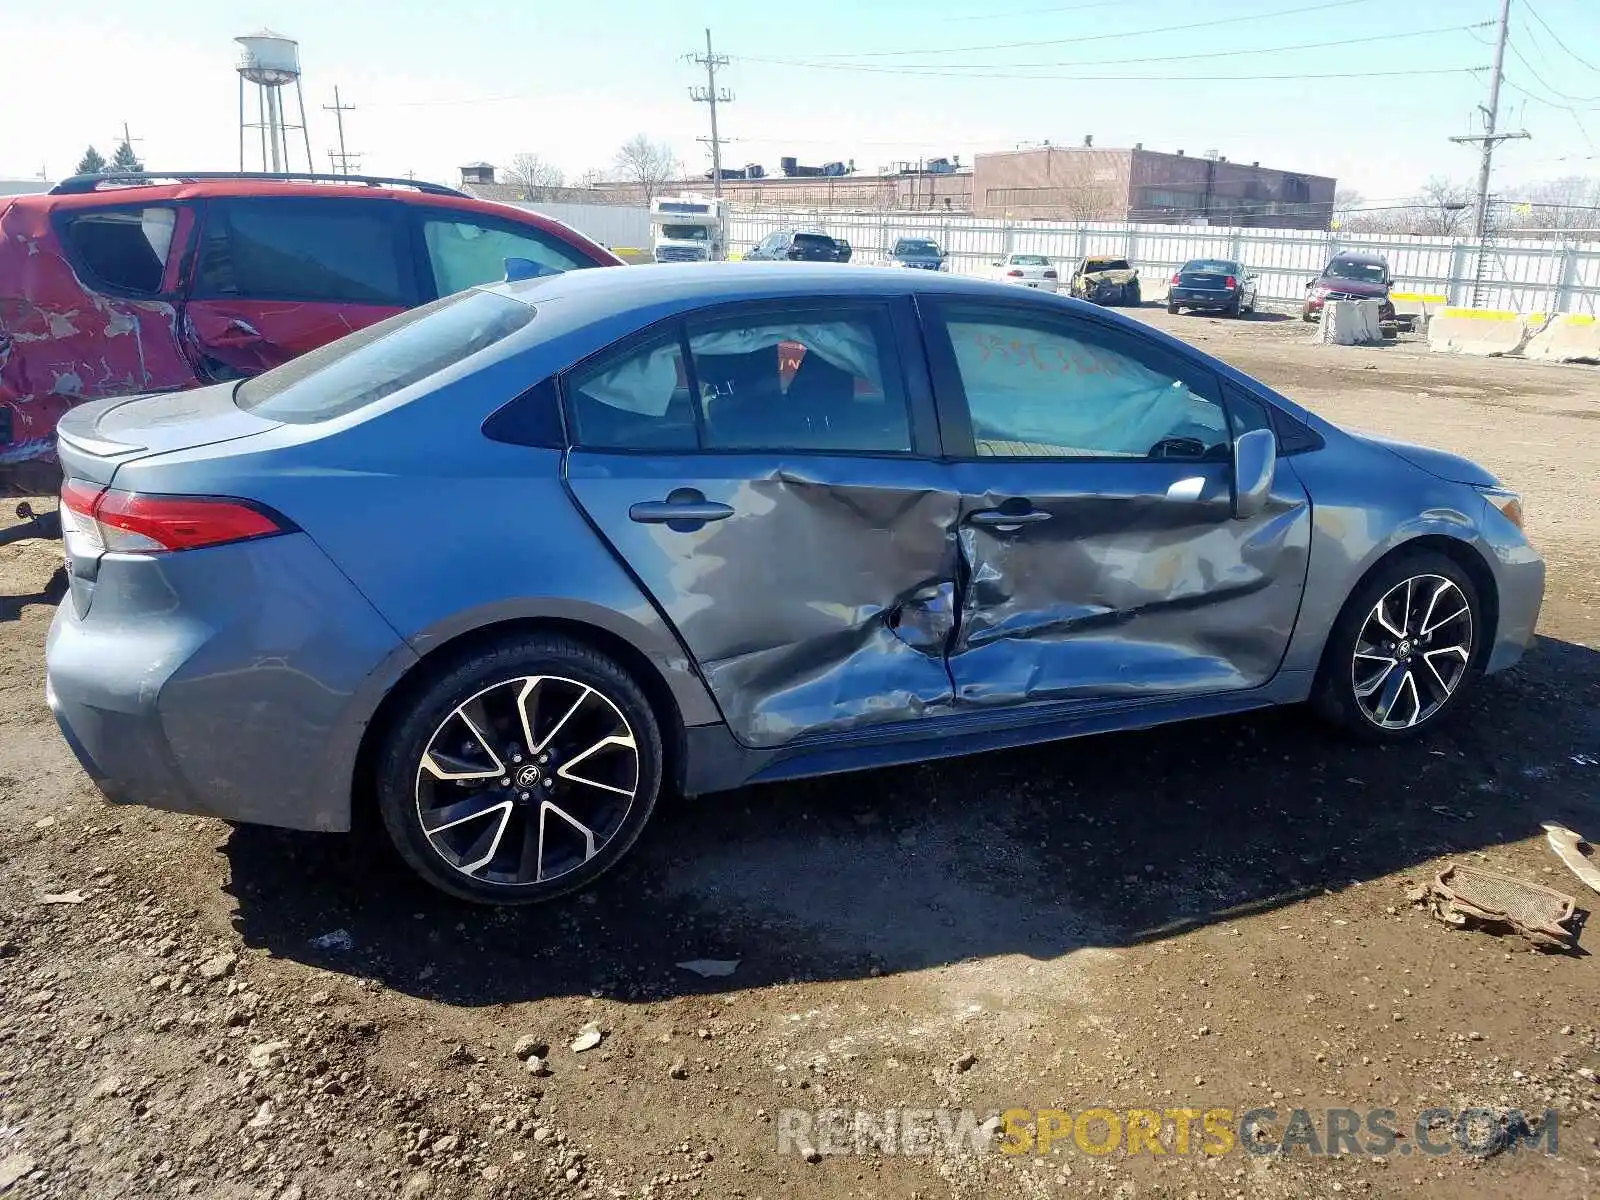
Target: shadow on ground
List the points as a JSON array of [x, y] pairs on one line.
[[1102, 841], [11, 606]]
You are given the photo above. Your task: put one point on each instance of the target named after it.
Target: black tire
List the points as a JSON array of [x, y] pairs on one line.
[[1336, 695], [1172, 310], [1233, 309], [497, 674]]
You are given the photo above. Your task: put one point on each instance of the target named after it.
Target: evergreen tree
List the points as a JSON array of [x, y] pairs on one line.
[[124, 160], [91, 163]]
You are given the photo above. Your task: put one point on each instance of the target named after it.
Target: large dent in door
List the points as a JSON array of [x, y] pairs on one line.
[[1127, 599]]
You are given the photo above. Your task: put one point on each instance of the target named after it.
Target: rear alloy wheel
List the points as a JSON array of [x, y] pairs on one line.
[[522, 774], [1403, 650]]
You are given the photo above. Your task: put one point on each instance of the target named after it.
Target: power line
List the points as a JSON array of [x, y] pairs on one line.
[[1534, 14], [342, 158], [1101, 37], [1114, 62], [1037, 12], [942, 73], [1540, 80], [1490, 138]]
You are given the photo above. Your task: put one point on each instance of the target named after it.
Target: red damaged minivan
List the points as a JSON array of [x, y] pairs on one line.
[[112, 285]]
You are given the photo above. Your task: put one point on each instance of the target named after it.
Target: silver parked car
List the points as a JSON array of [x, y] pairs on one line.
[[507, 566]]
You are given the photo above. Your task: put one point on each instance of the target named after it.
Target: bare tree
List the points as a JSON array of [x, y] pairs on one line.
[[1572, 202], [536, 177], [1442, 207], [647, 164], [1346, 203]]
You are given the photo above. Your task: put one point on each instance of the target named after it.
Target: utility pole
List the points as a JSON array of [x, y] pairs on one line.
[[710, 96], [338, 110], [1490, 137], [128, 139]]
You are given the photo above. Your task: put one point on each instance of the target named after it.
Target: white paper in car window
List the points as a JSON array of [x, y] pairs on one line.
[[642, 384], [1026, 385]]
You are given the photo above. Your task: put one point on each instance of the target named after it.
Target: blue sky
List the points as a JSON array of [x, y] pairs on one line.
[[438, 85]]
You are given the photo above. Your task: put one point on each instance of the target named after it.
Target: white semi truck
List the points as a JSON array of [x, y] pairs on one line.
[[686, 228]]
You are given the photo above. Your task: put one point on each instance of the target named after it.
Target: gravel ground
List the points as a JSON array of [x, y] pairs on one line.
[[1205, 916]]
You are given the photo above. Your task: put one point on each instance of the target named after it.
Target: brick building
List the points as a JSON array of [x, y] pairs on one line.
[[1087, 184]]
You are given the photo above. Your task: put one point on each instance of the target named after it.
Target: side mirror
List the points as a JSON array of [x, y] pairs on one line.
[[1255, 462], [1310, 283], [997, 263]]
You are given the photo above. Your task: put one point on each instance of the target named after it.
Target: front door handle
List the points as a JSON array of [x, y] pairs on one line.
[[997, 516], [667, 512]]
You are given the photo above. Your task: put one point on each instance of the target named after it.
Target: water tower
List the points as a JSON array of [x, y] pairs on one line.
[[271, 62]]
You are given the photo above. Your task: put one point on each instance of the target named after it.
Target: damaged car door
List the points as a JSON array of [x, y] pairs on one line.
[[277, 276], [769, 473], [1103, 557]]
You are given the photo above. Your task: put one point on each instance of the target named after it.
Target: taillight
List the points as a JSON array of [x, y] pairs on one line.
[[1174, 277], [1049, 274], [1230, 281], [109, 520], [1014, 274]]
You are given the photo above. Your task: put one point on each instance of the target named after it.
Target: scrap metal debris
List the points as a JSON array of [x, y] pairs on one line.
[[588, 1038], [75, 896], [711, 968], [1577, 853], [1470, 897]]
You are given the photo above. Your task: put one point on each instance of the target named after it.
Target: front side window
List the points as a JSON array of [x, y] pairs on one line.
[[377, 361], [125, 249], [1039, 387], [290, 249], [466, 253]]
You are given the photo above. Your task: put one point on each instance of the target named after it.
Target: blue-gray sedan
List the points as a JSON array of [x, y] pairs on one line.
[[508, 566]]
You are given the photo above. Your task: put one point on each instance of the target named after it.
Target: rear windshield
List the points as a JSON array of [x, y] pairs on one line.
[[1029, 260], [813, 239], [1107, 264], [381, 359], [915, 246], [1213, 266]]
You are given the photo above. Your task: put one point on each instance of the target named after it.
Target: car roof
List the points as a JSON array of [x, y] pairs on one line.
[[161, 189], [698, 284]]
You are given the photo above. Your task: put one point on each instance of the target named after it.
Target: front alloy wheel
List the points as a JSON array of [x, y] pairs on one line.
[[1413, 651], [1404, 649], [521, 774]]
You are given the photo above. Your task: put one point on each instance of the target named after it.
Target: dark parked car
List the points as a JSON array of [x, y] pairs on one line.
[[1213, 285], [113, 285], [508, 566], [917, 253], [1351, 275], [790, 245]]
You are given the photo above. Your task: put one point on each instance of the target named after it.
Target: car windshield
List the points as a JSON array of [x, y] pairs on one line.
[[381, 359], [1107, 264], [1363, 272], [915, 246], [685, 233], [1211, 266], [1029, 260]]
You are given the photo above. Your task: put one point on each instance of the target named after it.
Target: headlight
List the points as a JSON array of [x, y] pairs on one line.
[[1320, 293], [1509, 503]]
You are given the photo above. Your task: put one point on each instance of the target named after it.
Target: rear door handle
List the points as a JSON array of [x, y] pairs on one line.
[[663, 512], [995, 516]]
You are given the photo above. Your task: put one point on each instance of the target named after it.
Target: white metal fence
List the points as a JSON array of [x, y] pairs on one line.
[[1528, 276]]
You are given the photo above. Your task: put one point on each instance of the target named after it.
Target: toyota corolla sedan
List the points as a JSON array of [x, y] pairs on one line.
[[507, 567]]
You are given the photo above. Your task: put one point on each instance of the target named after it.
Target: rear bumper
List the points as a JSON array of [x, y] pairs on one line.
[[1040, 285], [226, 682], [1202, 297]]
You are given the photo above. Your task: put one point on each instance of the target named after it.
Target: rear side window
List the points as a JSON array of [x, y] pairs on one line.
[[123, 249], [344, 251], [381, 359], [466, 253]]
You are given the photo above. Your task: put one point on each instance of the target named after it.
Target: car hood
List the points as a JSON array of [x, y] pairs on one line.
[[1451, 467], [1354, 287]]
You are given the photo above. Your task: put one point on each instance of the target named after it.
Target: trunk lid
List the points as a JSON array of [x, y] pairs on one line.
[[1203, 279], [94, 439]]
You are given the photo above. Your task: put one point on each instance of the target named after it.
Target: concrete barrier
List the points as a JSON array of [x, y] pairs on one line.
[[1349, 323], [1488, 332], [1569, 337]]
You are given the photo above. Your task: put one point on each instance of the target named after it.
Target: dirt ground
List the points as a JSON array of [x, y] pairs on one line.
[[1206, 916]]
